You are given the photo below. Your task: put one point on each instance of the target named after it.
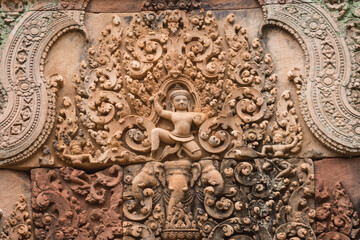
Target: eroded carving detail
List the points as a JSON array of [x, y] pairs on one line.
[[160, 5], [256, 199], [47, 158], [335, 214], [70, 204], [18, 226], [347, 14], [286, 133]]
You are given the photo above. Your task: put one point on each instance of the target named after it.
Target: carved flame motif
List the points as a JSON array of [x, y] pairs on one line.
[[176, 80]]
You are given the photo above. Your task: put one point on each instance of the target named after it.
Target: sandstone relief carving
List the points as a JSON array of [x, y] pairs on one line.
[[187, 102], [210, 199], [336, 217], [179, 97], [155, 5], [228, 77], [29, 113], [328, 88], [18, 225], [69, 204]]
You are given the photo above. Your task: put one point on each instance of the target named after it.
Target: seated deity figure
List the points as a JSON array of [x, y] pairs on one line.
[[279, 149], [182, 120]]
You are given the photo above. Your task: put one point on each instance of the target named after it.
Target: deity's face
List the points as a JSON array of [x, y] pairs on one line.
[[76, 149], [278, 138], [181, 102]]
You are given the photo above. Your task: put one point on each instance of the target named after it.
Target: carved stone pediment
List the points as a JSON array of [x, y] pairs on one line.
[[122, 110], [180, 88], [172, 119]]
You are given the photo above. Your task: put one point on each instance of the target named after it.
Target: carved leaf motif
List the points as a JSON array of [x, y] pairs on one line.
[[71, 204], [18, 226], [237, 200], [335, 214]]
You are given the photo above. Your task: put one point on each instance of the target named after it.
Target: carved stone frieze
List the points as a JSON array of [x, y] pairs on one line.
[[160, 5], [327, 85], [210, 199], [69, 204], [347, 14], [184, 119], [124, 110], [337, 198]]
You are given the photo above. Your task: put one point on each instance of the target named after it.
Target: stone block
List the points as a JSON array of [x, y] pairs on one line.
[[337, 198], [210, 199], [15, 205], [70, 204]]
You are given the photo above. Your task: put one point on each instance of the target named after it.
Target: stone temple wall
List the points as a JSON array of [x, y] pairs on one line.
[[180, 119]]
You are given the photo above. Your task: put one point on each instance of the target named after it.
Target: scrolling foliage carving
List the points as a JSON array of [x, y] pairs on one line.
[[179, 98], [18, 226], [335, 214], [209, 199], [70, 204]]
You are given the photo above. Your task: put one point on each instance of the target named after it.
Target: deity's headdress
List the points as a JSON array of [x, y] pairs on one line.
[[179, 91]]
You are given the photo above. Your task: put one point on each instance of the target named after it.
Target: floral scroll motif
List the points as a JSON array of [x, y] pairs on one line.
[[171, 58], [254, 199], [18, 226], [70, 204]]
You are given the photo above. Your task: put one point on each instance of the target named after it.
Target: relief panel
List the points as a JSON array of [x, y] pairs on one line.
[[69, 204], [123, 109], [15, 205], [210, 199], [190, 90], [337, 198]]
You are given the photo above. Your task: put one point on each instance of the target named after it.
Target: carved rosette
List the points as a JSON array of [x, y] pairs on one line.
[[256, 199], [330, 75], [69, 204]]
